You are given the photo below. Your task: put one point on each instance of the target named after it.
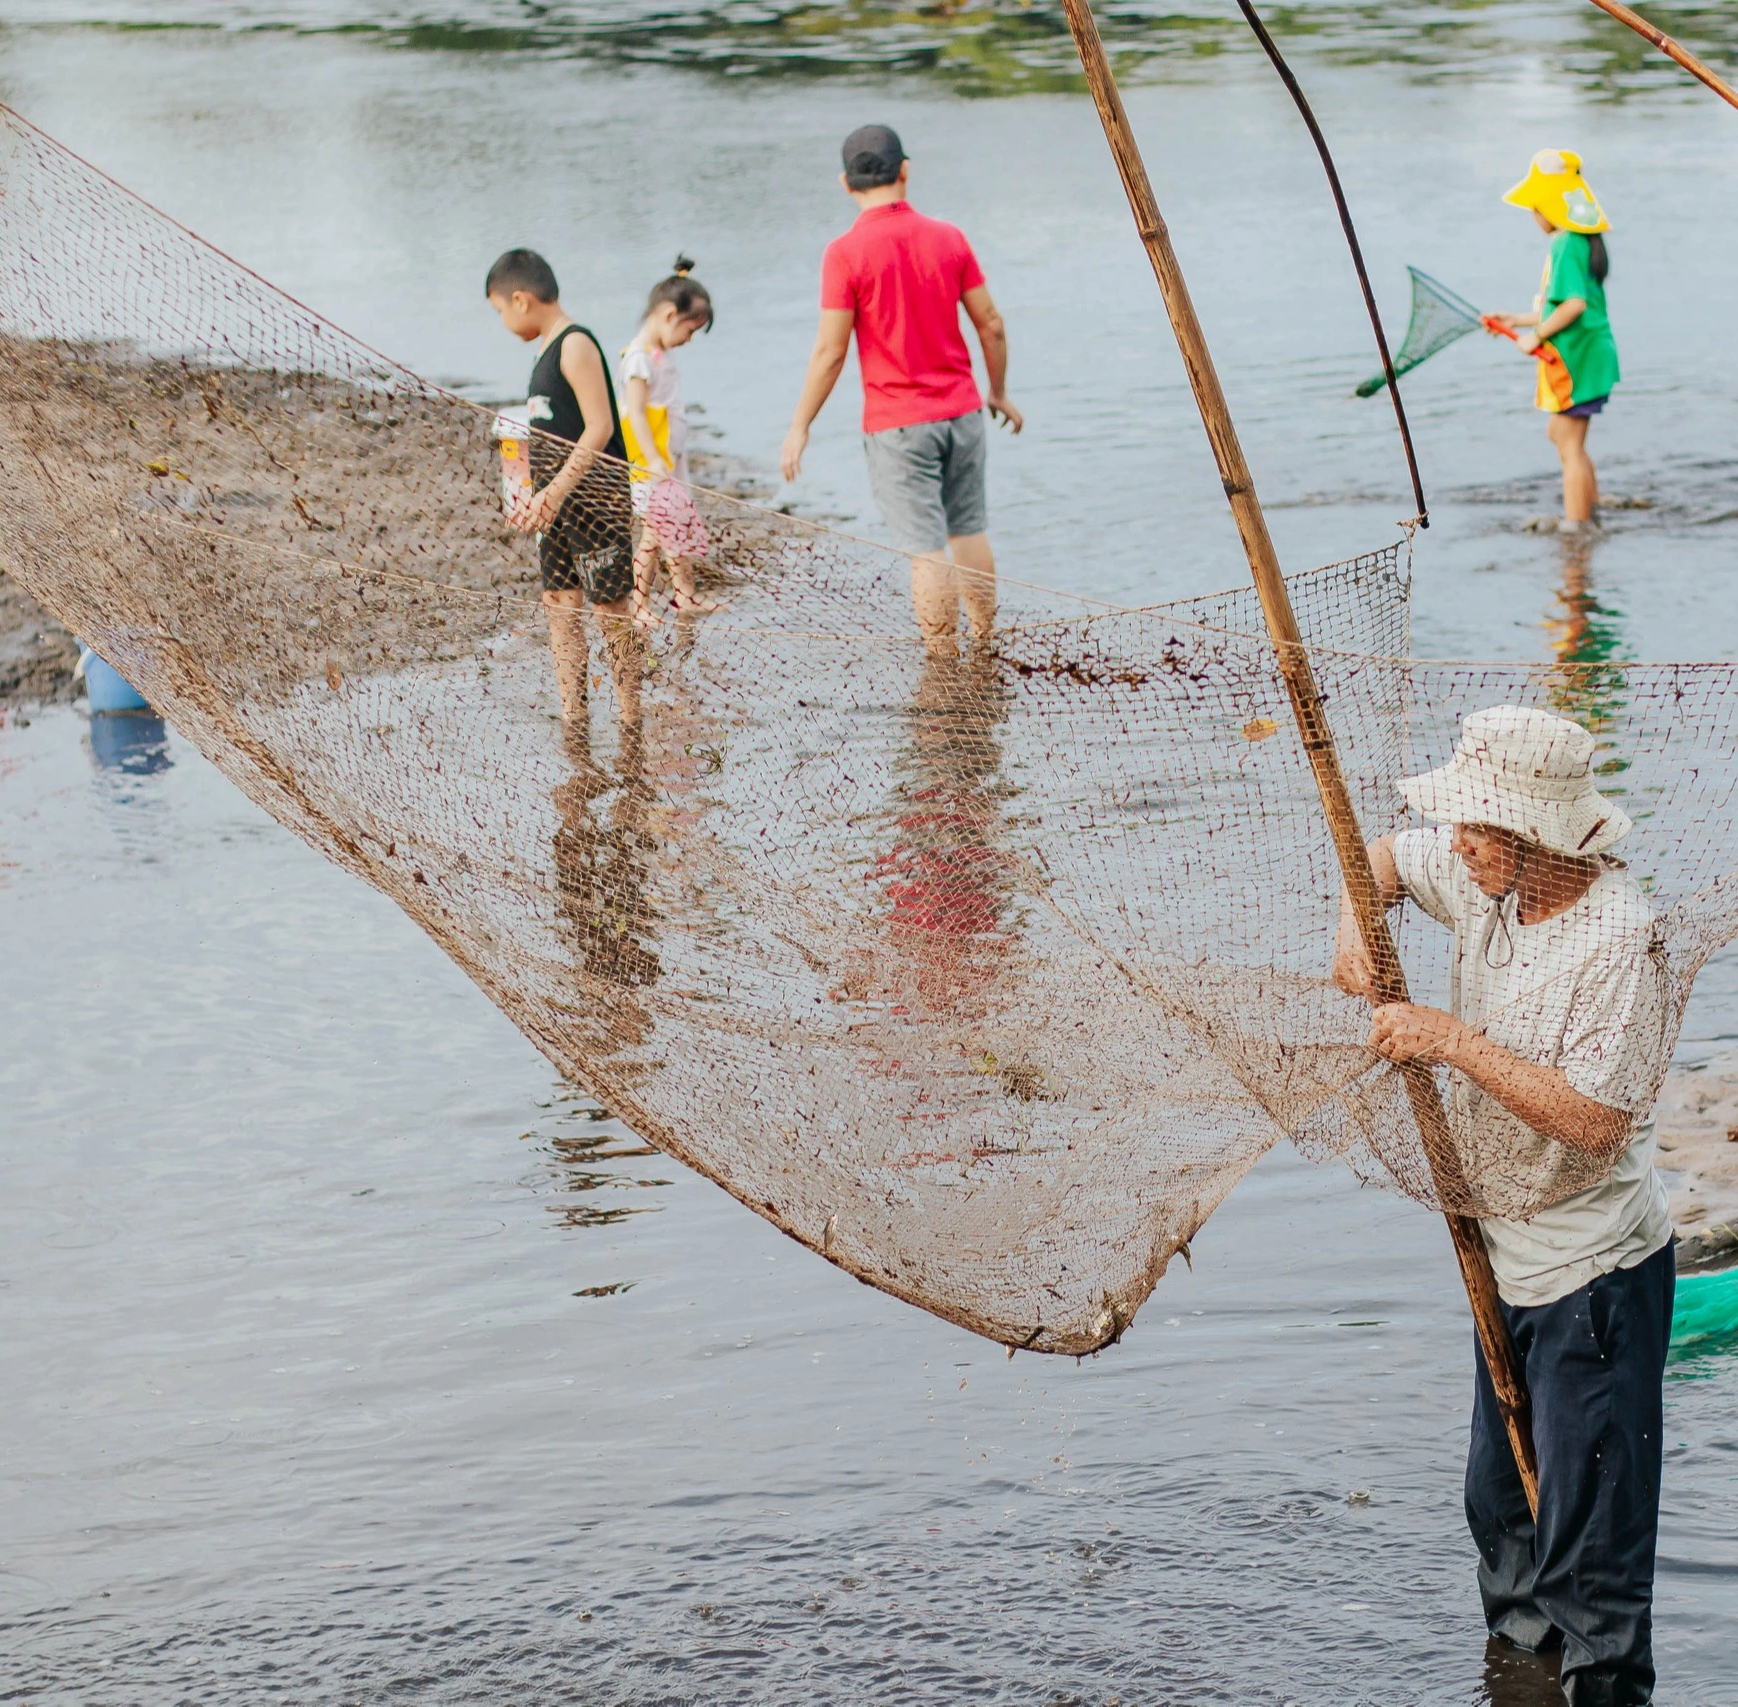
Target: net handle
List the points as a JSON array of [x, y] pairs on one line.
[[1498, 1347], [1295, 90]]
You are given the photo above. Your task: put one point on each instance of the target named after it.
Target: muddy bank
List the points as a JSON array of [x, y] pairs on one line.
[[1698, 1140], [37, 655]]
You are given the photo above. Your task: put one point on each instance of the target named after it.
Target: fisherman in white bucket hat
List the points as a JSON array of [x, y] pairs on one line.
[[1526, 771], [1556, 1035]]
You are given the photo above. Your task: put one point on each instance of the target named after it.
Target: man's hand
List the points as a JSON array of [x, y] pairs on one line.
[[1528, 342], [1404, 1031], [1539, 1097], [826, 363], [537, 512], [1002, 410], [1352, 971]]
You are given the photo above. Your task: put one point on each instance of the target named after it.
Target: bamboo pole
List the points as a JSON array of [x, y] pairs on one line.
[[1670, 48], [1317, 736]]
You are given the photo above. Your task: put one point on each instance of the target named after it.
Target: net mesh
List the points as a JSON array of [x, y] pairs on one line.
[[1439, 317], [984, 969]]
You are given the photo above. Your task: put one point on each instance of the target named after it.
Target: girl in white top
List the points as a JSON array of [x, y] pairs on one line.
[[656, 431]]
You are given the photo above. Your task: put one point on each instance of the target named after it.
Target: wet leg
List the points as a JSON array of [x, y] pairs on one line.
[[627, 656], [1501, 1525], [1595, 1369], [976, 579], [567, 643], [1516, 1678], [646, 556], [688, 596], [1580, 481], [935, 597]]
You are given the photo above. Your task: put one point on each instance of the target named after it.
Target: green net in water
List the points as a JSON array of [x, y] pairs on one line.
[[1705, 1317]]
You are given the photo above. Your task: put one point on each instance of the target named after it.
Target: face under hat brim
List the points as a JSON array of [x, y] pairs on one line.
[[1455, 794]]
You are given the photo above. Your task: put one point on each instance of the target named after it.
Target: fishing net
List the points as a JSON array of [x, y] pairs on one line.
[[984, 970], [1439, 317]]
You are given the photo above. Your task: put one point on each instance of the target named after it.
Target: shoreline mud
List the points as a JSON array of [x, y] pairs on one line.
[[37, 655], [1697, 1124]]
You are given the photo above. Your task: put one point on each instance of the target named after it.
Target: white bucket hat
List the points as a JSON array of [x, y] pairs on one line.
[[1525, 771]]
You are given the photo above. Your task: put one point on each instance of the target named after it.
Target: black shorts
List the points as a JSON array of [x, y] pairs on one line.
[[589, 548]]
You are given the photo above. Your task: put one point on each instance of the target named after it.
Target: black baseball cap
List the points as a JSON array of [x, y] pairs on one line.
[[873, 155]]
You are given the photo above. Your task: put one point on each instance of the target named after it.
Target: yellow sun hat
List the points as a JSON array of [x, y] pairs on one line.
[[1555, 187]]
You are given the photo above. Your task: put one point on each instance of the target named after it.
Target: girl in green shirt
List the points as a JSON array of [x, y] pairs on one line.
[[1569, 320]]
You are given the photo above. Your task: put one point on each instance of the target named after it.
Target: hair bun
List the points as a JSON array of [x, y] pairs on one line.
[[684, 266]]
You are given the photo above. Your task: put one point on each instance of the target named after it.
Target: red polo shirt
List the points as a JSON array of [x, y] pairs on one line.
[[902, 275]]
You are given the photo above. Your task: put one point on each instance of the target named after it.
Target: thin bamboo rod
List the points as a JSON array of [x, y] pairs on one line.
[[1295, 89], [1318, 739], [1670, 48]]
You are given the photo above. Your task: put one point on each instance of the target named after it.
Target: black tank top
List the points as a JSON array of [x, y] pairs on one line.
[[555, 410]]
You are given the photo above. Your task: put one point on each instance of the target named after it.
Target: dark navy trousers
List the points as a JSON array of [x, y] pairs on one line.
[[1584, 1574]]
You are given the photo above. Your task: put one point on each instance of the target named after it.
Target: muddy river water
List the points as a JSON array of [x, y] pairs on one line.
[[348, 1356]]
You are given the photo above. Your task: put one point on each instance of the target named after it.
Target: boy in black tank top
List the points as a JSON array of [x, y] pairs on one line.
[[579, 506], [583, 547]]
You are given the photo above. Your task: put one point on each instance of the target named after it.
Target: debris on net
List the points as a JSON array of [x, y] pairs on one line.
[[986, 974], [1439, 318]]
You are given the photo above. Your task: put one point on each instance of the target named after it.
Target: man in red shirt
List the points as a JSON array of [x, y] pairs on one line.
[[899, 279]]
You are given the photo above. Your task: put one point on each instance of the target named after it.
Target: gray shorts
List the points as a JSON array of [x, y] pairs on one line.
[[928, 480]]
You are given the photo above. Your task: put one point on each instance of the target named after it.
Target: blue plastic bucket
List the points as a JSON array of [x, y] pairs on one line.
[[106, 687], [131, 741]]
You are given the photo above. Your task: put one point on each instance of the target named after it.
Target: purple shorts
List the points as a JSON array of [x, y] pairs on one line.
[[1584, 411]]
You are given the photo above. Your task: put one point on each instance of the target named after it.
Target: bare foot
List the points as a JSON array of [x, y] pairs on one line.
[[696, 604]]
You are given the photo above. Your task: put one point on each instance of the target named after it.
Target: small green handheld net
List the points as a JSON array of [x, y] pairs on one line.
[[1439, 317]]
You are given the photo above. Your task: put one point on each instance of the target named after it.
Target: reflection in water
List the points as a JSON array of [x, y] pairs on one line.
[[600, 869], [601, 852], [669, 1503], [1587, 638], [682, 745], [948, 881], [132, 742], [586, 1182], [1515, 1678], [982, 47], [621, 832]]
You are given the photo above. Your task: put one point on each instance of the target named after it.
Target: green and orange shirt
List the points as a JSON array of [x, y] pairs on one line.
[[1589, 352]]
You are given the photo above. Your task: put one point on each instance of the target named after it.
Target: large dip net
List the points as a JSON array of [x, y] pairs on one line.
[[984, 970]]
